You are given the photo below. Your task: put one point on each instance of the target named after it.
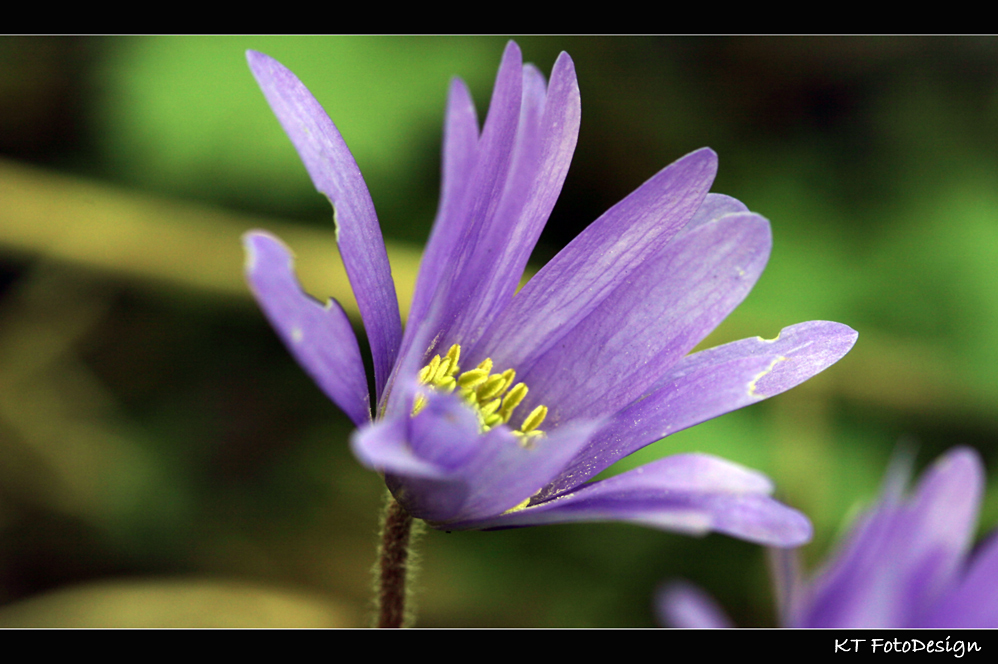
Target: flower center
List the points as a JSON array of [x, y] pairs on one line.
[[488, 394]]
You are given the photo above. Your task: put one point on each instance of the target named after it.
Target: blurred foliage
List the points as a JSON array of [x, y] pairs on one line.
[[163, 461]]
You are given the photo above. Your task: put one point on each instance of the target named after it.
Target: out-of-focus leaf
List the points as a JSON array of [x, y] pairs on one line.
[[184, 602]]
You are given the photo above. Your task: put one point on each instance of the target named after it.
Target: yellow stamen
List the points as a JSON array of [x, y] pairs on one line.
[[473, 378], [492, 388], [535, 419], [489, 407], [491, 421], [508, 376], [418, 404], [443, 371], [512, 400], [483, 391]]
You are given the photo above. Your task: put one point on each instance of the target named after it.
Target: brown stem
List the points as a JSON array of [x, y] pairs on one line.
[[392, 562]]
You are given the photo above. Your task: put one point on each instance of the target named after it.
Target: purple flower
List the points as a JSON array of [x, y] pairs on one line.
[[904, 564], [493, 410]]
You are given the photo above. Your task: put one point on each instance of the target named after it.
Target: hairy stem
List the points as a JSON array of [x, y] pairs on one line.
[[393, 562]]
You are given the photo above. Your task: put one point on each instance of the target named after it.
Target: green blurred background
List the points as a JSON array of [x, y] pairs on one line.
[[163, 461]]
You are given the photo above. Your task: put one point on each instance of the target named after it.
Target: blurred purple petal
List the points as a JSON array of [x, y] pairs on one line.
[[901, 556], [683, 605], [940, 521], [973, 602], [385, 446], [904, 563]]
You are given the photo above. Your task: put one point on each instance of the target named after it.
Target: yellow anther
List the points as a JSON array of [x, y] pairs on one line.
[[431, 368], [508, 376], [473, 378], [443, 371], [493, 387], [489, 407], [527, 439], [483, 391], [418, 404], [512, 400], [427, 373], [491, 421], [535, 419]]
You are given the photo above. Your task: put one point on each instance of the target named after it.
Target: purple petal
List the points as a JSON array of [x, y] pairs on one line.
[[335, 173], [784, 570], [681, 604], [939, 522], [584, 273], [546, 137], [384, 446], [422, 456], [319, 337], [708, 384], [859, 587], [714, 206], [443, 469], [506, 473], [473, 203], [460, 152], [647, 323], [974, 602], [900, 557], [853, 589], [689, 493]]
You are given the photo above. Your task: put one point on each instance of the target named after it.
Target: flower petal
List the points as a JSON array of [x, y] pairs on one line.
[[939, 524], [506, 473], [319, 337], [547, 133], [859, 586], [422, 456], [335, 173], [460, 151], [479, 475], [974, 602], [681, 604], [648, 322], [714, 206], [708, 384], [897, 561], [595, 263], [689, 493], [471, 206], [384, 446]]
